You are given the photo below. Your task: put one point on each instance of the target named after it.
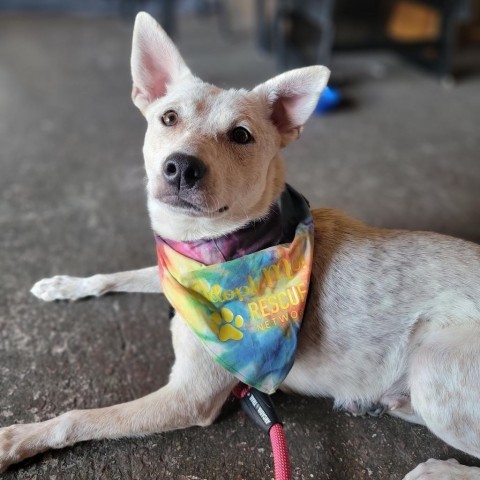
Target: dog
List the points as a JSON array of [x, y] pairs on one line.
[[393, 318]]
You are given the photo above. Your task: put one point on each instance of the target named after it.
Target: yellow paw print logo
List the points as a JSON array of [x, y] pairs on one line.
[[225, 326]]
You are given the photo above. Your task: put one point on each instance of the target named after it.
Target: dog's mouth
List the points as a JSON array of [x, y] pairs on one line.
[[178, 203]]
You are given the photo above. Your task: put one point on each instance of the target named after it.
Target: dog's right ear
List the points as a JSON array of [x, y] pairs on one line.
[[155, 62], [292, 97]]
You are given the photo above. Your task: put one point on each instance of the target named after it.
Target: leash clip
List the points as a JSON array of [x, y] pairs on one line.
[[260, 408]]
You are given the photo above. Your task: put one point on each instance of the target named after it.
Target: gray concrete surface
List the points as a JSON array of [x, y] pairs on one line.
[[406, 154]]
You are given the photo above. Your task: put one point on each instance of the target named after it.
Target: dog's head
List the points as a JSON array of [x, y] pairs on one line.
[[211, 155]]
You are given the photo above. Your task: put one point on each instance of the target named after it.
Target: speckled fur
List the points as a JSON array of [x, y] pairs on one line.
[[393, 318]]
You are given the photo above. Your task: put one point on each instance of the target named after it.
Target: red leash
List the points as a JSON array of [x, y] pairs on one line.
[[259, 407], [281, 460]]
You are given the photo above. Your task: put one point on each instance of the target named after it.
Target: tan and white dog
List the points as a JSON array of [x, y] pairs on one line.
[[393, 320]]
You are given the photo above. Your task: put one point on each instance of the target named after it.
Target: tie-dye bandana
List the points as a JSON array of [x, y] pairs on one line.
[[246, 308]]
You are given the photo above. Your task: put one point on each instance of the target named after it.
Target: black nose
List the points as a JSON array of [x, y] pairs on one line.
[[183, 171]]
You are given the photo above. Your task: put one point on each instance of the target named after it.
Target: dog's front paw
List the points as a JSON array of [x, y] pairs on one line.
[[62, 287], [443, 470], [14, 445]]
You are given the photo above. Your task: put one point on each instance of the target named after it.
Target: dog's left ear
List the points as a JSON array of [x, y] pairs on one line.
[[292, 97], [155, 62]]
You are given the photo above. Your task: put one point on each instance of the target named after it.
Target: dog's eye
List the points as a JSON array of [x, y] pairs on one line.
[[241, 135], [170, 118]]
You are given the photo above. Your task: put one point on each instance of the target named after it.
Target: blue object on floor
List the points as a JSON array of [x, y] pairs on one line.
[[329, 99]]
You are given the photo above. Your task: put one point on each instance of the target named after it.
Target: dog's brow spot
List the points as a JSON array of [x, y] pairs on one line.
[[213, 90], [201, 106]]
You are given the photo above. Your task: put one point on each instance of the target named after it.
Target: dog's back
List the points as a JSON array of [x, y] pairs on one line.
[[375, 294]]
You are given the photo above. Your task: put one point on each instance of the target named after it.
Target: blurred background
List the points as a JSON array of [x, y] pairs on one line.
[[395, 142]]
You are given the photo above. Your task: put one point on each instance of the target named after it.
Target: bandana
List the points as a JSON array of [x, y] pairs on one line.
[[244, 294]]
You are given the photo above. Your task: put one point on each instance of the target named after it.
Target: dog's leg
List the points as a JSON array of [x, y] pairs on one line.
[[197, 389], [406, 413], [445, 391], [400, 405], [443, 470], [63, 287]]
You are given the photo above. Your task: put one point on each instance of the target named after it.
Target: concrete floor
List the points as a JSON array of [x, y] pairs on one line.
[[406, 154]]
